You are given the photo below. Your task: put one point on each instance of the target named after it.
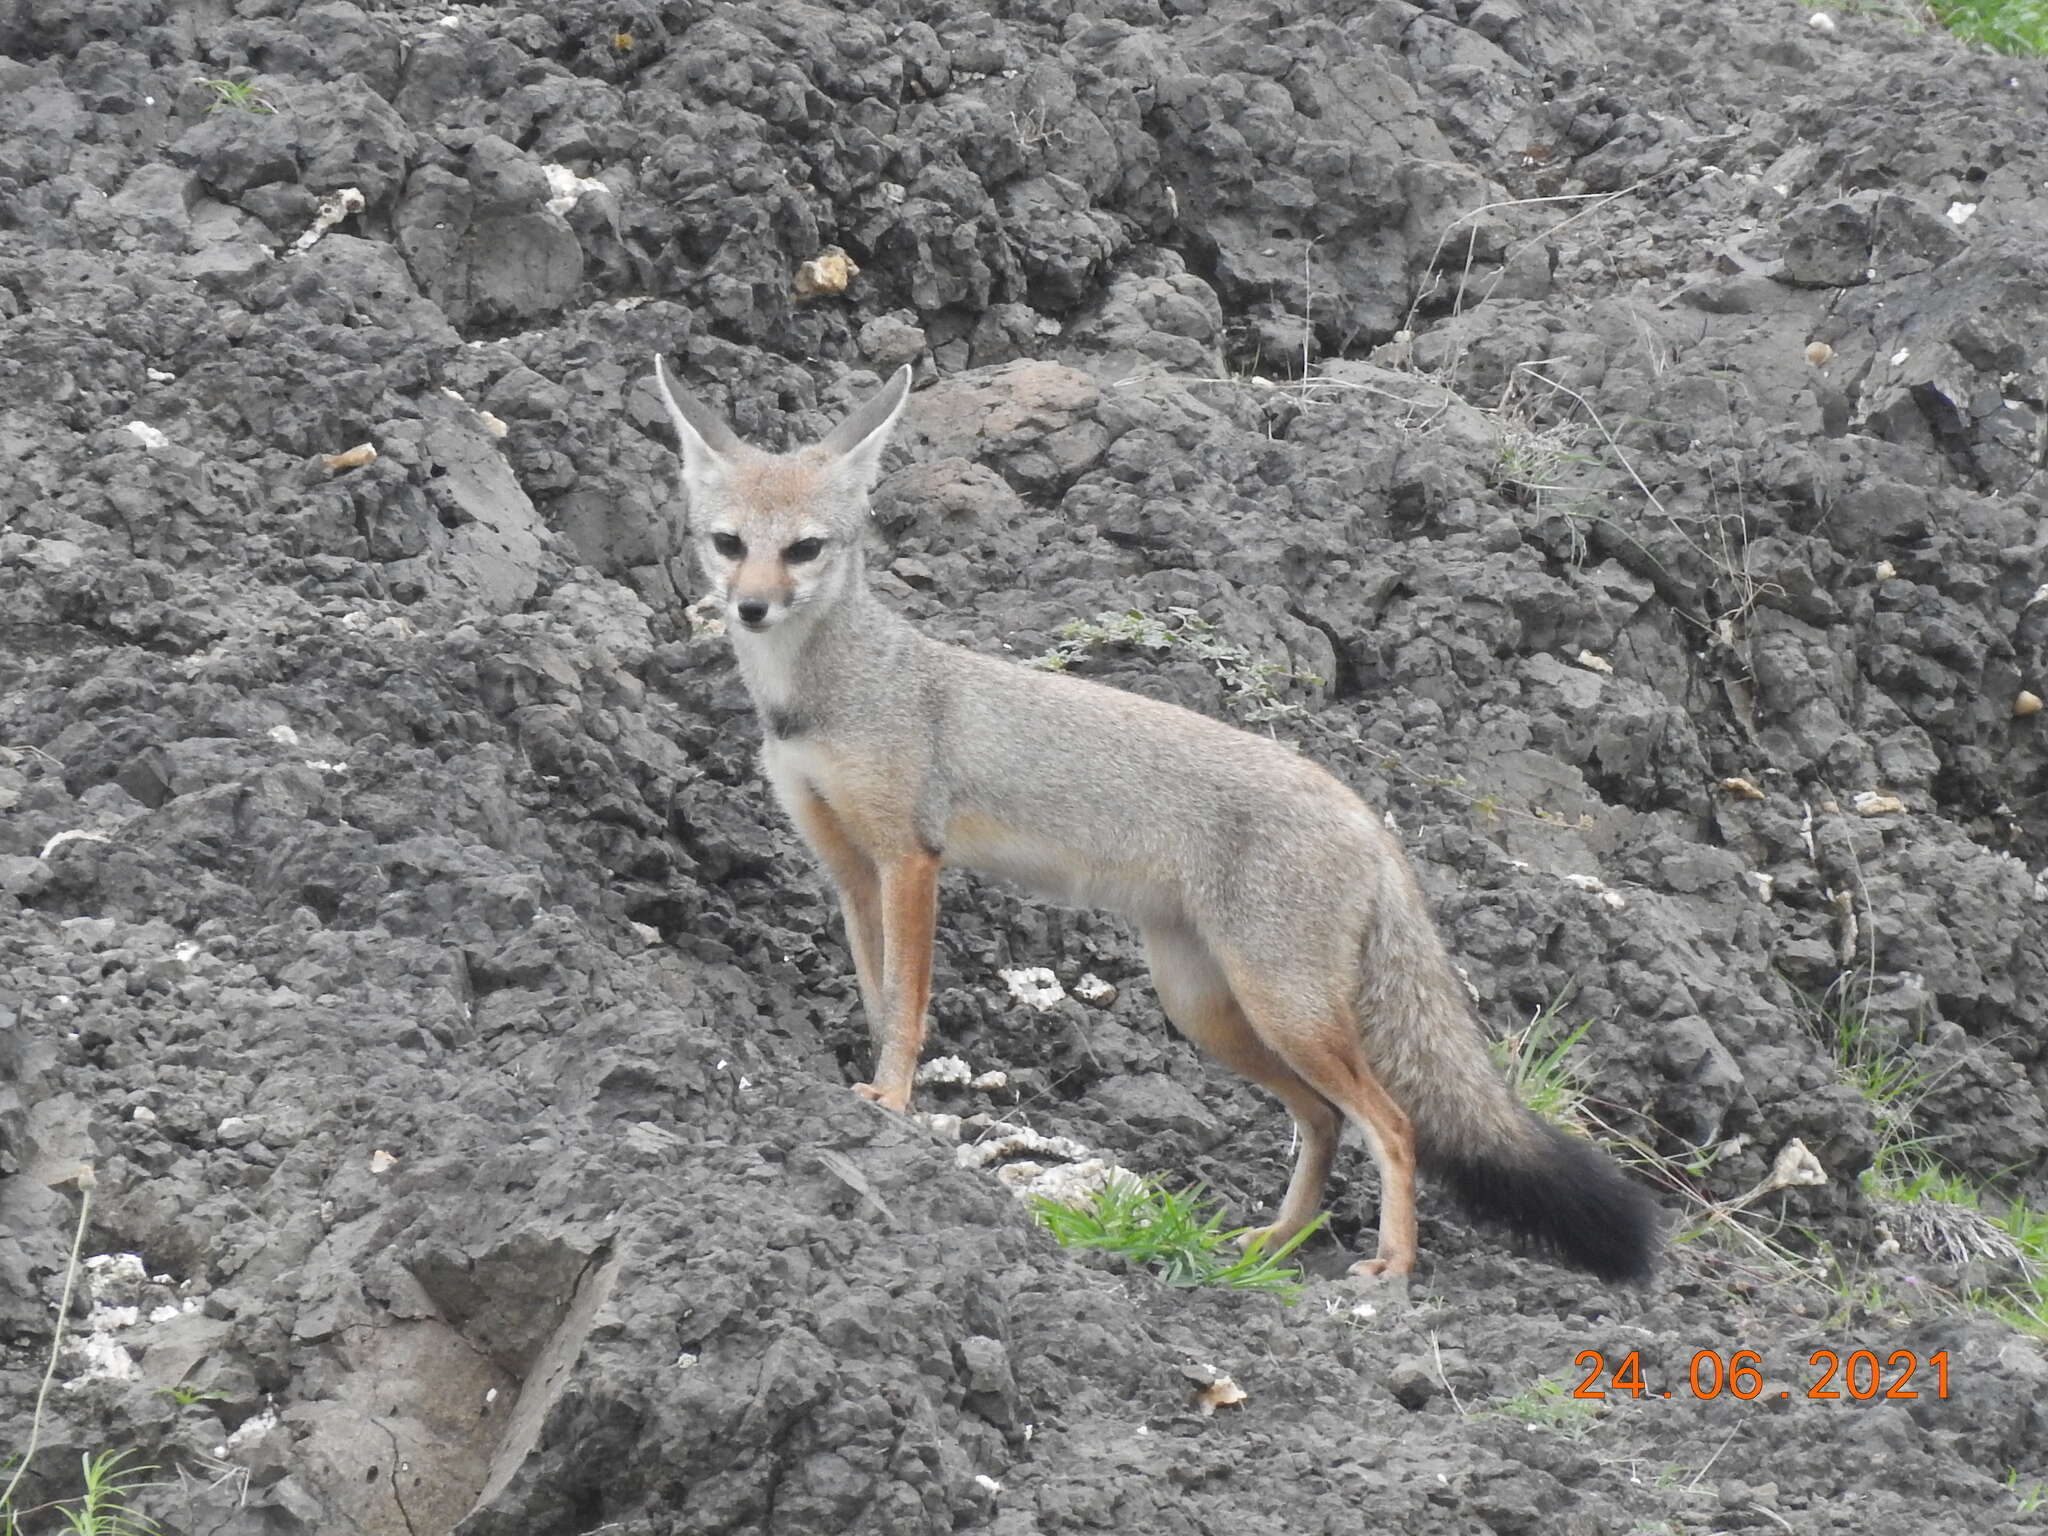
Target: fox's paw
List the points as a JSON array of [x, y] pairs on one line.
[[1266, 1238], [900, 1102], [1386, 1268]]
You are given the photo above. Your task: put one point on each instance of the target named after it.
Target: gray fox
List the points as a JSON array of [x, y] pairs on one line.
[[1285, 930]]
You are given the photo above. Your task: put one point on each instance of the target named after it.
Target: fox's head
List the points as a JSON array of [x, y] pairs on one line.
[[776, 533]]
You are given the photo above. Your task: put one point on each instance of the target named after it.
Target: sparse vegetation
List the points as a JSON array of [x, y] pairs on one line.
[[102, 1509], [1933, 1211], [1925, 1208], [1180, 1235], [1035, 128], [10, 1515], [1538, 1062], [1544, 468], [1246, 678], [1549, 1405], [2018, 27], [2029, 1497], [1876, 1065], [237, 96], [185, 1397], [110, 1479]]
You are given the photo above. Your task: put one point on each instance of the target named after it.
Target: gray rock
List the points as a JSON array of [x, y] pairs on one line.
[[1869, 237], [534, 1012]]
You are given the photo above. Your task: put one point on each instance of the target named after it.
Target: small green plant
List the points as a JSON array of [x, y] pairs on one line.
[[111, 1481], [1531, 457], [1934, 1211], [237, 95], [1861, 1304], [1549, 1405], [1878, 1065], [2029, 1497], [1179, 1234], [1245, 677], [1538, 1063], [2018, 27], [1925, 1207], [1547, 470], [185, 1397]]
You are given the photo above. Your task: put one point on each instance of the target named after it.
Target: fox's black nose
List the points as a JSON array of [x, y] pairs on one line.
[[752, 610]]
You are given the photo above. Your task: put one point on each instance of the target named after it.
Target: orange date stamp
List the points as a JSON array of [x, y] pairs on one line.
[[1860, 1376]]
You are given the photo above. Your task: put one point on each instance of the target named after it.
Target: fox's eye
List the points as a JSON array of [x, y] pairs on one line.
[[728, 545], [802, 550]]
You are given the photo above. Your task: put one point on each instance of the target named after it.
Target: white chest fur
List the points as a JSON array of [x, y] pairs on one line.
[[796, 770], [768, 664]]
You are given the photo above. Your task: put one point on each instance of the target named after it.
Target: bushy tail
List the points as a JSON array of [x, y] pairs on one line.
[[1505, 1166], [1561, 1194]]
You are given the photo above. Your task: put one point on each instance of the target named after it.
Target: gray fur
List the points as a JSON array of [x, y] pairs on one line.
[[1287, 931]]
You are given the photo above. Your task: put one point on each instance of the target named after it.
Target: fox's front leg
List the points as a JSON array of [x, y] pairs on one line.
[[860, 898], [910, 909]]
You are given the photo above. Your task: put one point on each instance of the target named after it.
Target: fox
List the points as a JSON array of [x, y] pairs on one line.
[[1286, 932]]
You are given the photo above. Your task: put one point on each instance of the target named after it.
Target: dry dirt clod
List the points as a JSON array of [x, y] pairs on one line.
[[826, 274], [350, 458]]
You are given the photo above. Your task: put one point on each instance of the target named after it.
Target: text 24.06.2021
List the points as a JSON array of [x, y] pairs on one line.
[[1860, 1375]]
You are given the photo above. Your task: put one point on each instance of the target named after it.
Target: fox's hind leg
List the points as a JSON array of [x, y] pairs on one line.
[[1313, 1030], [1198, 999]]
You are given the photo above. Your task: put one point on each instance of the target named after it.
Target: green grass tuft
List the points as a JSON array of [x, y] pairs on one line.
[[2017, 27], [185, 1397], [1877, 1065], [1926, 1207], [237, 95], [2028, 1496], [111, 1481], [1178, 1234], [1943, 1214], [1538, 1063], [1548, 1405]]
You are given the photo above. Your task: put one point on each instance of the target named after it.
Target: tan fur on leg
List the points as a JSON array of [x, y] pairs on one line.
[[1324, 1049], [910, 905], [1198, 1000], [860, 898]]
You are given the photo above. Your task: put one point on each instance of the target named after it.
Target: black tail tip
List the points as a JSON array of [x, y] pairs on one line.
[[1565, 1197]]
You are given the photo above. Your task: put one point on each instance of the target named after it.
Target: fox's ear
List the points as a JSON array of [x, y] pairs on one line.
[[856, 444], [707, 443]]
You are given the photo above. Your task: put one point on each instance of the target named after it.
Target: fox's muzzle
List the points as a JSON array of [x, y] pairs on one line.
[[758, 592]]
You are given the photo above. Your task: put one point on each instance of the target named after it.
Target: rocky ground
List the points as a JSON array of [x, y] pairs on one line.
[[1624, 425]]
